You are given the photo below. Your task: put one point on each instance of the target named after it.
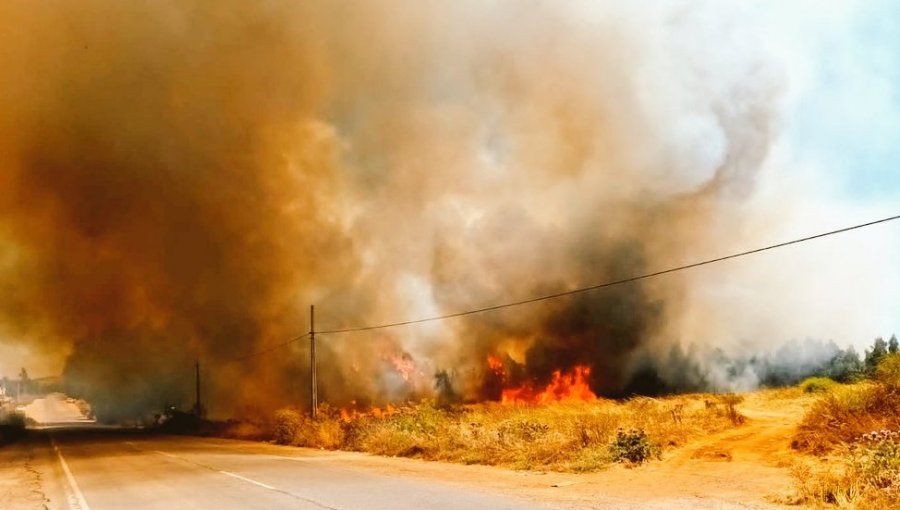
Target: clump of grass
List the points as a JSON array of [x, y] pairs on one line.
[[632, 447], [817, 384], [563, 436]]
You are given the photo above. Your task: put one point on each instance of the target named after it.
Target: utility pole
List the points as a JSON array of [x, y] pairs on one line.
[[313, 387], [197, 406]]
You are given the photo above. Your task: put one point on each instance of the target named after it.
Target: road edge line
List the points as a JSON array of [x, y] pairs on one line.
[[80, 502]]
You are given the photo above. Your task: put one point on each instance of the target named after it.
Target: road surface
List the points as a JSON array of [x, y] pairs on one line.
[[103, 469], [67, 463]]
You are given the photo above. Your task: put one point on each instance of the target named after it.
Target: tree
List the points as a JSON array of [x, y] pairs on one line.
[[845, 366], [893, 345], [879, 350]]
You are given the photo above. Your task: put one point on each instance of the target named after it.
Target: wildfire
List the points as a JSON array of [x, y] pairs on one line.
[[563, 387], [404, 366], [496, 365], [350, 414]]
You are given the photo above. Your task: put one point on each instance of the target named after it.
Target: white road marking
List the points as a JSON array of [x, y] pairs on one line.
[[227, 473], [244, 479], [73, 495], [254, 482]]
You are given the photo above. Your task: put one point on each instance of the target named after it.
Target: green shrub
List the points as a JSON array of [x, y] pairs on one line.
[[287, 424], [817, 384], [633, 447]]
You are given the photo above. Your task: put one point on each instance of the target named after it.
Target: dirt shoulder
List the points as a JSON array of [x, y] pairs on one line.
[[21, 484]]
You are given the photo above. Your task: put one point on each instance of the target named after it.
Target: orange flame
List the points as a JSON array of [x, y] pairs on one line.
[[403, 364], [564, 387], [350, 414], [496, 365]]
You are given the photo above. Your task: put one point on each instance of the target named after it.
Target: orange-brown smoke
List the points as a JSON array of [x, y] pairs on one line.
[[181, 179]]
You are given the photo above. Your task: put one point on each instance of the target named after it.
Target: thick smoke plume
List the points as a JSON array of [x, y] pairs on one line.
[[180, 180]]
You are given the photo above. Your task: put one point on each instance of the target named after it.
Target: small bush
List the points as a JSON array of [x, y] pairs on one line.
[[817, 384], [632, 447], [287, 424]]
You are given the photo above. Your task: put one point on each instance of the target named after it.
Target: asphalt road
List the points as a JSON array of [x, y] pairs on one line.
[[68, 463], [99, 470]]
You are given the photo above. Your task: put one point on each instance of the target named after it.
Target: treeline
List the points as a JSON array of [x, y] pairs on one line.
[[694, 370], [842, 365], [796, 361], [25, 385]]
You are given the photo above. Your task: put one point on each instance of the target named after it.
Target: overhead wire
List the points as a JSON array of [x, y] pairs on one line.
[[570, 292], [609, 283]]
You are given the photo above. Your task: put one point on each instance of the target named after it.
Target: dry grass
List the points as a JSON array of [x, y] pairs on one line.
[[855, 432], [565, 437], [845, 413], [862, 476]]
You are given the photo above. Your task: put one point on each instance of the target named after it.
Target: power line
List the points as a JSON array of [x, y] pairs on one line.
[[270, 349], [610, 283]]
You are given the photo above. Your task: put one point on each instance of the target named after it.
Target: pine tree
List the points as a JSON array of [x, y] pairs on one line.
[[879, 350], [893, 345]]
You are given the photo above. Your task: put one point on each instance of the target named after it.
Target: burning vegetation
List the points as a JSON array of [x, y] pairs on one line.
[[569, 435], [571, 386]]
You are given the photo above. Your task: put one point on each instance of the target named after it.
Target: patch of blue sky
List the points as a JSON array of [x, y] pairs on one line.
[[847, 120]]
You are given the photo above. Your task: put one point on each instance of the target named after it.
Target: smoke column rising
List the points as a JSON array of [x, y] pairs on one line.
[[181, 179]]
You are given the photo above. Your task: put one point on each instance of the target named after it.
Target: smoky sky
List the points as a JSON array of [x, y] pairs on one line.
[[180, 180]]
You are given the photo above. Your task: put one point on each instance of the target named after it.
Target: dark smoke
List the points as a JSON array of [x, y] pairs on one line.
[[181, 180]]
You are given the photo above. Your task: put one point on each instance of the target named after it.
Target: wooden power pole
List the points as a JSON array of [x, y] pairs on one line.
[[313, 386], [198, 406]]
